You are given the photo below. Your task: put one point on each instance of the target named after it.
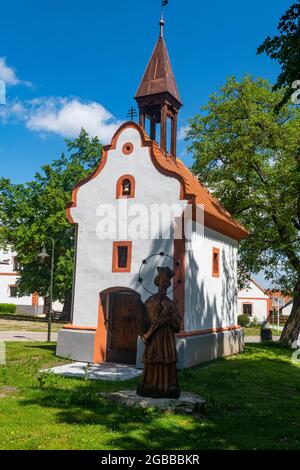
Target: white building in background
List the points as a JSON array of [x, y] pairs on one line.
[[254, 302], [287, 309], [8, 292]]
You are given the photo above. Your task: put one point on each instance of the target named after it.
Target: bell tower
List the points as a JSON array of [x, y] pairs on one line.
[[158, 97]]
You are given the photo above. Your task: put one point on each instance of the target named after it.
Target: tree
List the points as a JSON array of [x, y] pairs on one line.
[[285, 48], [31, 213], [247, 153]]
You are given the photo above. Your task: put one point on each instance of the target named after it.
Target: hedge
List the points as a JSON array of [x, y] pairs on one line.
[[243, 320], [8, 308]]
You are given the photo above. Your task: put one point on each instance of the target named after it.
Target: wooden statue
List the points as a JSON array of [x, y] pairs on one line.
[[159, 378]]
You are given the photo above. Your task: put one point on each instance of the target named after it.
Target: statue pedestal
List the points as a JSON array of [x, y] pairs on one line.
[[188, 403]]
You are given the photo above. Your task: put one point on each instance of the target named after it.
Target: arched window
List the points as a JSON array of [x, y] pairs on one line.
[[215, 262], [125, 187]]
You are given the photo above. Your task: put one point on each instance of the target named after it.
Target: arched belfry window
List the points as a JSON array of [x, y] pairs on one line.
[[125, 187]]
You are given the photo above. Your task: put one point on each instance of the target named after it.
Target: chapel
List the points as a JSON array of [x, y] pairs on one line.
[[113, 275]]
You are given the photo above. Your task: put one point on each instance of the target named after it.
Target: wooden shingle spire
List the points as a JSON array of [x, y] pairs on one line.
[[158, 96], [159, 76]]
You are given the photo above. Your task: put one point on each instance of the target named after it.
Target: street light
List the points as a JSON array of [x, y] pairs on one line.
[[43, 256]]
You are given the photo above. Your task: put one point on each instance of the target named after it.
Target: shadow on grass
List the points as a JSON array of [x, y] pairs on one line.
[[253, 402], [43, 346]]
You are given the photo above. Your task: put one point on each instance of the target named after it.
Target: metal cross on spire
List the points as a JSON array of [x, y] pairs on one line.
[[164, 3], [131, 114]]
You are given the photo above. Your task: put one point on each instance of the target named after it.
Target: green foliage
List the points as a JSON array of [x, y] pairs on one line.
[[8, 308], [254, 322], [248, 155], [253, 402], [243, 321], [285, 48], [31, 213]]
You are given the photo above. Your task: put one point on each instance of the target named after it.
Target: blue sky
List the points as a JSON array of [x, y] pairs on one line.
[[71, 63]]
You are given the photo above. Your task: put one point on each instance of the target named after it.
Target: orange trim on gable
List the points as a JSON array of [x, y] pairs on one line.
[[216, 217], [115, 267]]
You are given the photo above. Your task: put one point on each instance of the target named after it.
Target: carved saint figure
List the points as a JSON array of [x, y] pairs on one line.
[[160, 372]]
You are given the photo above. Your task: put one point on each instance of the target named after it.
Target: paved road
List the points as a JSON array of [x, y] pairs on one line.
[[26, 336]]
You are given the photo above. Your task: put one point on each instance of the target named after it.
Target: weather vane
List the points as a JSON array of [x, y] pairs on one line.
[[131, 114]]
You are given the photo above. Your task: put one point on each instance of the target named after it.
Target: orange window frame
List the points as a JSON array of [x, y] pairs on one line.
[[215, 271], [119, 189], [115, 259]]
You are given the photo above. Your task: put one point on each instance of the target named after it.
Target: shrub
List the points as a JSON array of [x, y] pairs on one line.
[[243, 320], [254, 323], [8, 308]]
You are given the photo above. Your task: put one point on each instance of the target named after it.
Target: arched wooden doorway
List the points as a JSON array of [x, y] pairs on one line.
[[123, 311]]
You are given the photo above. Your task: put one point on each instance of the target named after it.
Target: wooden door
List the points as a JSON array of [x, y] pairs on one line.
[[123, 327]]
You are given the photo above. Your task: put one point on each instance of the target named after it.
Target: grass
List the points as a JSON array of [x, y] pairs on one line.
[[17, 322], [253, 403], [18, 316], [20, 325], [255, 331]]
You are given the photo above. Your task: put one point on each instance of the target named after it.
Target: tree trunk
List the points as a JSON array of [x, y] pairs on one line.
[[291, 330], [46, 307], [66, 313]]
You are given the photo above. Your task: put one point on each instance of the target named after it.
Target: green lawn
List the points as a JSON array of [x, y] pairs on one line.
[[253, 403], [28, 325], [255, 331], [18, 322]]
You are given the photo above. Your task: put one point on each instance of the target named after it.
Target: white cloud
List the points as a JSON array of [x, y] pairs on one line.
[[12, 112], [8, 74], [63, 116], [182, 132]]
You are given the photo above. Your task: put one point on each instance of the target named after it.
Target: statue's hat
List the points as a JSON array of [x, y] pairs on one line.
[[165, 272]]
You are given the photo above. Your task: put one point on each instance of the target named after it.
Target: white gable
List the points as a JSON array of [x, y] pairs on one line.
[[253, 291]]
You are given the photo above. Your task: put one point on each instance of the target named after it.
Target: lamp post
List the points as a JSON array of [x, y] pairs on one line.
[[278, 315], [43, 256]]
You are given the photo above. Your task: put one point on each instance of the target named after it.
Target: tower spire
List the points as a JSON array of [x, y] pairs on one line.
[[158, 97]]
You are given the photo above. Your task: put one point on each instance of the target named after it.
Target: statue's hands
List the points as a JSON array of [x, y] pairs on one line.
[[168, 308], [163, 319], [144, 339]]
